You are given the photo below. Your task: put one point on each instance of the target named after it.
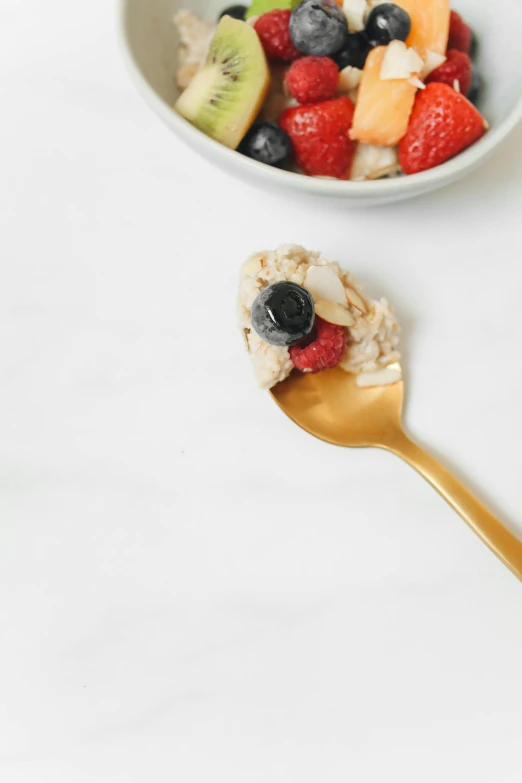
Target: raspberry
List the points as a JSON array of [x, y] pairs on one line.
[[457, 67], [273, 30], [459, 34], [324, 352], [312, 79], [325, 156]]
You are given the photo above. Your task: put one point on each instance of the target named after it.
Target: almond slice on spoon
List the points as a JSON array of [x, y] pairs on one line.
[[252, 266], [355, 300], [334, 313], [384, 377], [324, 284]]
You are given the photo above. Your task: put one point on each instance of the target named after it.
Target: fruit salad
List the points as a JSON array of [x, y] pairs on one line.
[[300, 312], [346, 89]]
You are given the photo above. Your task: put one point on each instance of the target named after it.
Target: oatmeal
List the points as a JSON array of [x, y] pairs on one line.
[[369, 328], [195, 35]]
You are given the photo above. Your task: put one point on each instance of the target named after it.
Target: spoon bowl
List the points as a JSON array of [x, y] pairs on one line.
[[330, 406]]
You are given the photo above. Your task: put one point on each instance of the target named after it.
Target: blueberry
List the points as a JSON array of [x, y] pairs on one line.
[[318, 27], [474, 45], [354, 52], [387, 22], [267, 143], [282, 314], [476, 87], [235, 11]]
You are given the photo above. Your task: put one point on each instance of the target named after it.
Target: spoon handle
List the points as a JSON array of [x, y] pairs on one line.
[[498, 538]]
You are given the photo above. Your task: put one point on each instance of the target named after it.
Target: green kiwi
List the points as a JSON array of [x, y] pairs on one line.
[[225, 96], [260, 7]]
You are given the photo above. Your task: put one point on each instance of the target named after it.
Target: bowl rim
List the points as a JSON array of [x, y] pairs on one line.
[[316, 186]]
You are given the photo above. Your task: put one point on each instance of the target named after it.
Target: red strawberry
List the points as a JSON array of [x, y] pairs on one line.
[[329, 118], [319, 134], [324, 156], [456, 68], [312, 79], [442, 124], [273, 28], [459, 34]]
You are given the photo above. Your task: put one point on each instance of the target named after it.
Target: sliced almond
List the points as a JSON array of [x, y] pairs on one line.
[[334, 313], [416, 82], [386, 171], [370, 160], [349, 79], [456, 85], [355, 11], [400, 62], [355, 300], [252, 266], [324, 284], [433, 60], [384, 377]]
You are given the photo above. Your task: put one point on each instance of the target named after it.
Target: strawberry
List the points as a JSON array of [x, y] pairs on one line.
[[442, 124], [325, 156], [459, 34], [319, 134], [456, 68], [328, 118]]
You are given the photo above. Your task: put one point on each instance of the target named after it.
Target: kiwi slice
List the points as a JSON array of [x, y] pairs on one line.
[[224, 98]]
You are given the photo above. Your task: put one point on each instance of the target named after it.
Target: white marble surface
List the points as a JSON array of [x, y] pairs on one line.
[[192, 589]]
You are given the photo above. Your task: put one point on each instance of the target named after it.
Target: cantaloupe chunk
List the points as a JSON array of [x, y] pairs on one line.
[[383, 107], [429, 24]]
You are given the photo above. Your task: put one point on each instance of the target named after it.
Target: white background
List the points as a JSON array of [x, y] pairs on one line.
[[191, 588]]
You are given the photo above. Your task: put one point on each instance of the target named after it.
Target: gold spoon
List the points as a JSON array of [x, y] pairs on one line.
[[332, 407]]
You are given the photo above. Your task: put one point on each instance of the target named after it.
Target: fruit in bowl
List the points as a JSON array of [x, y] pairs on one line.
[[354, 90]]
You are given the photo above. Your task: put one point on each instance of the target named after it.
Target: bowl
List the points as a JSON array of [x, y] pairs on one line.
[[150, 45]]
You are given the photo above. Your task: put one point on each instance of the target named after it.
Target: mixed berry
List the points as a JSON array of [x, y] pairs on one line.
[[283, 314], [324, 352], [387, 22], [398, 78], [298, 311]]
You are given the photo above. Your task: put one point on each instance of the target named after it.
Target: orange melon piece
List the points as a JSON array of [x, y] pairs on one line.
[[383, 107], [430, 21]]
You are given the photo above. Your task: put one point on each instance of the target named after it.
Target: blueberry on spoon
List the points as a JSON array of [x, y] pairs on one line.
[[283, 314]]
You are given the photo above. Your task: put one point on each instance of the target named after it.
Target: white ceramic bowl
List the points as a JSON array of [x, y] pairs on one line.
[[150, 44]]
